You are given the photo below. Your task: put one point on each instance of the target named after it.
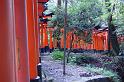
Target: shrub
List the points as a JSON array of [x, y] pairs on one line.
[[72, 59], [58, 55], [115, 77], [85, 60]]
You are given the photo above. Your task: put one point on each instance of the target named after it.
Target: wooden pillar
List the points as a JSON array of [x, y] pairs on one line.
[[67, 40], [105, 40], [93, 37], [75, 46], [55, 43], [41, 35], [95, 41], [7, 42], [51, 40], [21, 41], [37, 29], [78, 43], [40, 11], [46, 36], [100, 42], [31, 41], [62, 39]]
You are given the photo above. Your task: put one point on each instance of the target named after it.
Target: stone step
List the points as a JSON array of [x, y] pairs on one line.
[[98, 78], [48, 79]]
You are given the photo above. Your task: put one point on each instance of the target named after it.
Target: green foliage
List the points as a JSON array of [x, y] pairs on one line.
[[57, 33], [82, 60], [104, 72], [81, 14], [84, 13], [72, 59], [122, 46], [118, 13], [57, 55]]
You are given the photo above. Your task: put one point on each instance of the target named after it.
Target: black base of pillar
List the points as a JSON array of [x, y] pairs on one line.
[[35, 80], [42, 50], [39, 69], [51, 50], [39, 59], [47, 48]]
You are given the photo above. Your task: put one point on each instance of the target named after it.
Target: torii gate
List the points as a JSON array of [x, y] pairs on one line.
[[19, 40]]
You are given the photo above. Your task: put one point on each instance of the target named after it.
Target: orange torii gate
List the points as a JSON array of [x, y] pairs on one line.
[[45, 36], [8, 71], [50, 42], [62, 39], [100, 40], [44, 33], [41, 30], [98, 37], [21, 41], [33, 57], [19, 51]]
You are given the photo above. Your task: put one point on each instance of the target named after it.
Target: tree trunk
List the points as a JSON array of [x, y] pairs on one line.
[[59, 3], [109, 34], [114, 41], [65, 26], [112, 37]]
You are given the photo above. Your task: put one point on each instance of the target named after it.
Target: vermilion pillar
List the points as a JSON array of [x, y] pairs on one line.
[[62, 39], [85, 46], [82, 44], [37, 30], [93, 40], [40, 9], [105, 40], [96, 42], [31, 41], [68, 40], [7, 42], [101, 42], [75, 43], [51, 40], [46, 36], [41, 35], [55, 43], [78, 43], [21, 41]]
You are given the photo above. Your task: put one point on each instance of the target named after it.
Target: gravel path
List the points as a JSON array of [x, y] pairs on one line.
[[73, 73]]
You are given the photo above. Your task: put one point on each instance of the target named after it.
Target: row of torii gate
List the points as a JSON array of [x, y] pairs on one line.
[[99, 40], [19, 39], [98, 37]]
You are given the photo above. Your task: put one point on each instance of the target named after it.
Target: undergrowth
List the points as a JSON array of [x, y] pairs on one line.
[[104, 72]]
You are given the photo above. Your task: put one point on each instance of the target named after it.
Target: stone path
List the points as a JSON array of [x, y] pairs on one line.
[[73, 73]]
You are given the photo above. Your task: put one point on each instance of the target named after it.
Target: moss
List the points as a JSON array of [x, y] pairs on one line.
[[103, 72]]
